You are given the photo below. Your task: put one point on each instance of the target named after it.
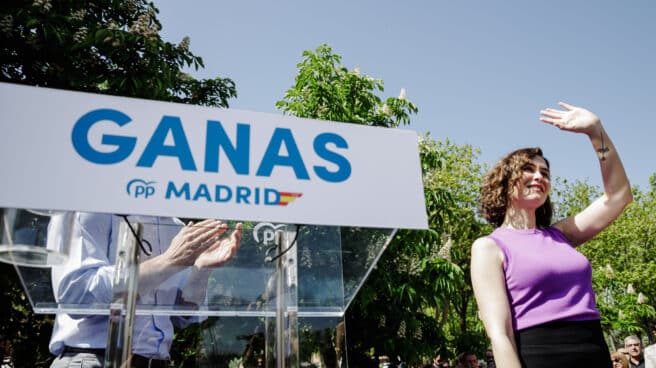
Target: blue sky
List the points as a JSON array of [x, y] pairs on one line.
[[479, 71]]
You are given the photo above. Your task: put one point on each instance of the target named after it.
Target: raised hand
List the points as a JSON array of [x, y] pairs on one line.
[[220, 250], [192, 241], [573, 119]]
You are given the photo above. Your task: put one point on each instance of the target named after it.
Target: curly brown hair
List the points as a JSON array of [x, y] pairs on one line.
[[498, 183]]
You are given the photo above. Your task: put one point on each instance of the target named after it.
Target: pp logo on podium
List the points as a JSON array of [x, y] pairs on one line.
[[139, 188], [267, 231]]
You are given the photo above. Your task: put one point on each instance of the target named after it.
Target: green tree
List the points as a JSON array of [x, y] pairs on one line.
[[417, 303], [100, 46], [460, 175], [399, 308], [24, 336], [326, 90], [623, 258], [405, 301]]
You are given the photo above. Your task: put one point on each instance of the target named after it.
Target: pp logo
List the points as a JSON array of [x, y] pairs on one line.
[[139, 188], [268, 231]]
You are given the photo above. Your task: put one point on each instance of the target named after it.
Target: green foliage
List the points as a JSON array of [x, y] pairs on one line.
[[184, 350], [453, 169], [418, 302], [101, 46], [624, 254], [23, 336], [419, 285], [326, 90], [622, 311]]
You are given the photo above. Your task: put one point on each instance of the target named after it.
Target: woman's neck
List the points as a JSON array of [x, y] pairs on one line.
[[519, 218]]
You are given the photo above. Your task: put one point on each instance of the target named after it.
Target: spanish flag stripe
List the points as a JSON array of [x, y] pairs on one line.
[[288, 197]]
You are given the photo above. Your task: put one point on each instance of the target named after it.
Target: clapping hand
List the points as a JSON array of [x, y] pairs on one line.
[[221, 249], [203, 245]]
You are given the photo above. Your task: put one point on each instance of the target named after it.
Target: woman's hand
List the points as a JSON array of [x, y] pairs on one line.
[[586, 224], [573, 119]]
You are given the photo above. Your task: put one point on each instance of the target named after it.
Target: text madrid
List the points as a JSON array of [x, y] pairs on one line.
[[223, 193], [237, 152]]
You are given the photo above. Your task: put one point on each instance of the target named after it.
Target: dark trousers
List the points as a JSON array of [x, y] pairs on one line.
[[95, 358]]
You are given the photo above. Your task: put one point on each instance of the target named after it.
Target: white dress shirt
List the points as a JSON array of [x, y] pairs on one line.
[[87, 279]]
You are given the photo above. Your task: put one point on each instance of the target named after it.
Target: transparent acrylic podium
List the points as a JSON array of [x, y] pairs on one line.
[[280, 300]]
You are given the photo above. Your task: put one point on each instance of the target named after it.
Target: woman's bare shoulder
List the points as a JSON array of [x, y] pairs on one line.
[[486, 248]]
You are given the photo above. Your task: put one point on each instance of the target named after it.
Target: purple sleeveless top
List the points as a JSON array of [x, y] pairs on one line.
[[547, 279]]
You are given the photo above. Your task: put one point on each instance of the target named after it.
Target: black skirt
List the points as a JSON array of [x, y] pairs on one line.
[[563, 344]]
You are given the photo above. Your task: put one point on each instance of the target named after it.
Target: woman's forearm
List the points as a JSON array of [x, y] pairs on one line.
[[616, 184], [505, 351]]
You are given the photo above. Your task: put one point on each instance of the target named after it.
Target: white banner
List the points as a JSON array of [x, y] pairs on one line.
[[68, 150]]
